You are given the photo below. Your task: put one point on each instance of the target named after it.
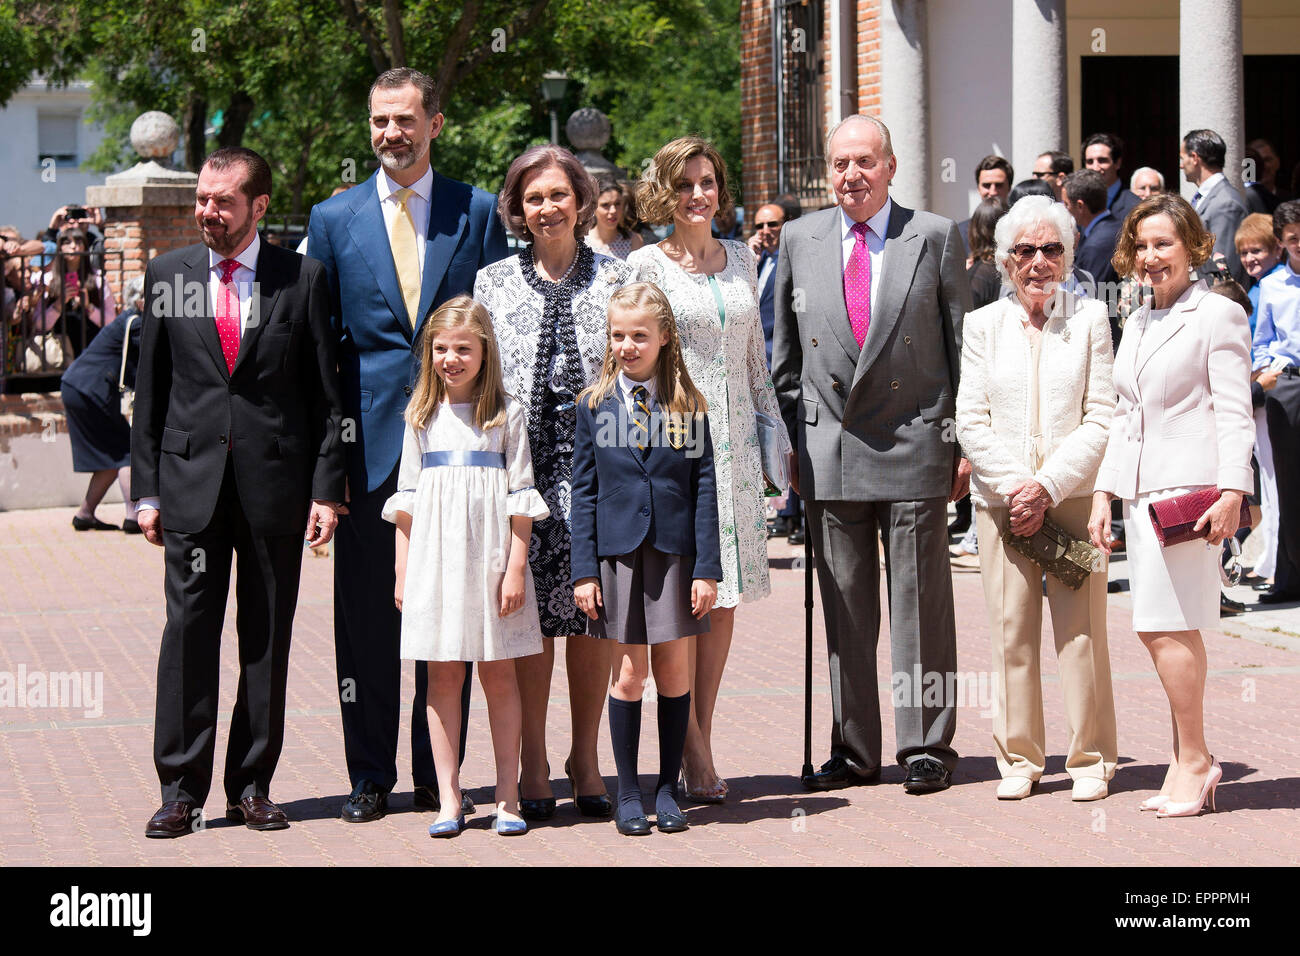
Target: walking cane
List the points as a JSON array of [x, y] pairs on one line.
[[807, 649]]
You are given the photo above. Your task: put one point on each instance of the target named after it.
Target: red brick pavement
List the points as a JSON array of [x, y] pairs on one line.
[[92, 602]]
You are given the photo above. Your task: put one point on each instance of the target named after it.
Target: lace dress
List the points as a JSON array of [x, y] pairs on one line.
[[517, 299], [460, 486], [728, 363]]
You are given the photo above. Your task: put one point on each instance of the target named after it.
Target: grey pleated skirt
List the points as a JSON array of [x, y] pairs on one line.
[[647, 598]]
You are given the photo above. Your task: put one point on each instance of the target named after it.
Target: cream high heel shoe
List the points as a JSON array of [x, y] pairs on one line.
[[1153, 803], [1194, 807]]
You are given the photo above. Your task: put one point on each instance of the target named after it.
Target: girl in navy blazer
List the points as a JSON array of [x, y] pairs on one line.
[[644, 557]]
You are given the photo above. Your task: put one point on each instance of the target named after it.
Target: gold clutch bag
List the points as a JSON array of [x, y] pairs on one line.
[[1065, 557]]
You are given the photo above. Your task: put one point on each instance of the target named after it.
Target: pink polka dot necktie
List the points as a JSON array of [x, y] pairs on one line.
[[857, 284], [227, 309]]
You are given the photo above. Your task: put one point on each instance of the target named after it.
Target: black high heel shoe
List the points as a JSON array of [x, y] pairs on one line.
[[536, 810], [598, 806]]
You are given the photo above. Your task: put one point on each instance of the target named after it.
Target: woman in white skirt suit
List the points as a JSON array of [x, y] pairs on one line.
[[1183, 423]]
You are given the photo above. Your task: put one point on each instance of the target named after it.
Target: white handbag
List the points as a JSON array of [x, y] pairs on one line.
[[128, 394]]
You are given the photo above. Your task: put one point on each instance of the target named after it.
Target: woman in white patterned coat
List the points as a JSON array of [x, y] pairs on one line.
[[548, 308], [1033, 412], [713, 288]]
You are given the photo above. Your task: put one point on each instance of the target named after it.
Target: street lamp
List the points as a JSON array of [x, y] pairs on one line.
[[553, 86]]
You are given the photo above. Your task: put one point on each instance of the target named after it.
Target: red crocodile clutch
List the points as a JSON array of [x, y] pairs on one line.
[[1174, 518]]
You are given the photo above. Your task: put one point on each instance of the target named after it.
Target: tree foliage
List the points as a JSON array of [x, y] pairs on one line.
[[289, 77]]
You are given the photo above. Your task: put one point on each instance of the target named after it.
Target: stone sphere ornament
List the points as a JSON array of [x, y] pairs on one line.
[[588, 128], [154, 135]]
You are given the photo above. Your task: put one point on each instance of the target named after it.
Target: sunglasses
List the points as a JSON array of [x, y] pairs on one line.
[[775, 224], [1044, 175], [1050, 250]]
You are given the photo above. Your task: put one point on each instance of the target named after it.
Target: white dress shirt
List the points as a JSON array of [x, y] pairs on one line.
[[877, 226], [1208, 187], [418, 203], [243, 278], [625, 386]]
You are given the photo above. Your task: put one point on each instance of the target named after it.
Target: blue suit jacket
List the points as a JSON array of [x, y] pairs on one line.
[[765, 301], [377, 361], [620, 499], [1095, 252]]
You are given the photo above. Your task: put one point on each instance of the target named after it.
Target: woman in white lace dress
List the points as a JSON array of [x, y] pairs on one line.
[[548, 308], [713, 287]]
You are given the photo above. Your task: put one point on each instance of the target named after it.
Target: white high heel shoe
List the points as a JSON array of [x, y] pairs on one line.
[[1194, 807], [1153, 803]]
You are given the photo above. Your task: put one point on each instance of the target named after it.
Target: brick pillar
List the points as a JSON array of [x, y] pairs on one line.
[[142, 220], [757, 102]]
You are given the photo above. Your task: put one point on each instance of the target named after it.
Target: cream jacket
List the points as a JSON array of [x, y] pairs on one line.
[[1075, 399], [1184, 415]]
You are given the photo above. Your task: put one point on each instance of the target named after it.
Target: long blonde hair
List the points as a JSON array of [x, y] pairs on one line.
[[462, 312], [676, 392]]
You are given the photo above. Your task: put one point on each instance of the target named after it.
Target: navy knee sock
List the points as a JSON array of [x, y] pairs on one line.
[[674, 717], [625, 735]]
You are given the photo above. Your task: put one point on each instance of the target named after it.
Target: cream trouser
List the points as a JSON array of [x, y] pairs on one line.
[[1014, 594]]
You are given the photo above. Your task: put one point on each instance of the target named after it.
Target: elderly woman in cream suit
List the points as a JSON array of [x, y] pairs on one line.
[[1033, 409], [1183, 423]]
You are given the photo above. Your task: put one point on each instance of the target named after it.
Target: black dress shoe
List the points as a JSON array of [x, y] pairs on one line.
[[174, 818], [927, 775], [537, 810], [1228, 607], [367, 802], [780, 527], [597, 805], [836, 774], [131, 526], [1263, 585], [92, 524], [1278, 597], [426, 798], [671, 822], [796, 536], [257, 813], [633, 826]]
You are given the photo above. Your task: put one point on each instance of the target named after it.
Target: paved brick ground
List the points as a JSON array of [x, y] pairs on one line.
[[92, 602]]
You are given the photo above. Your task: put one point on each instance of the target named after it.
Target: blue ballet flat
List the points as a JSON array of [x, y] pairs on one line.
[[448, 828], [509, 827]]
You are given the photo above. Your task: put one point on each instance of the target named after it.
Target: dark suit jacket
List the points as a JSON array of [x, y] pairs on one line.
[[277, 413], [1222, 212], [872, 423], [620, 499], [765, 307], [94, 373], [1123, 202], [377, 363], [1097, 248]]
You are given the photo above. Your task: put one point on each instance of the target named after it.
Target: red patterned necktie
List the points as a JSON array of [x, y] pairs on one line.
[[857, 284], [227, 309]]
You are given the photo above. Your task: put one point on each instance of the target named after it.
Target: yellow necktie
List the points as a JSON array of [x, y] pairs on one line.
[[405, 256]]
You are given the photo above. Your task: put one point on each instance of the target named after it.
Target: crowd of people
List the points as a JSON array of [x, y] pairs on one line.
[[577, 444]]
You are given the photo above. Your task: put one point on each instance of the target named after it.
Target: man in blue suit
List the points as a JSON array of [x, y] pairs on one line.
[[394, 248]]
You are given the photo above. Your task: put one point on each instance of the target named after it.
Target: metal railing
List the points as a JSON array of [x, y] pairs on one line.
[[53, 307], [799, 64]]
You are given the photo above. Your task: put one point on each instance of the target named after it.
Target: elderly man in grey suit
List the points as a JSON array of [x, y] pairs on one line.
[[870, 298]]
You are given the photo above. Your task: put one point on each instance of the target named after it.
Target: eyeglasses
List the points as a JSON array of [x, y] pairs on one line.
[[774, 224], [1050, 250], [1047, 174]]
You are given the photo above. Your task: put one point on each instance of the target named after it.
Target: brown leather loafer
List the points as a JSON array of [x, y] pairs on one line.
[[257, 813], [174, 818]]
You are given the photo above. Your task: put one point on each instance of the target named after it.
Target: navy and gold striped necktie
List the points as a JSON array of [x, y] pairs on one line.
[[641, 417]]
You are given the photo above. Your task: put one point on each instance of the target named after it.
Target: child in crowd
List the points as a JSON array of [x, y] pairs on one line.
[[645, 559], [464, 511]]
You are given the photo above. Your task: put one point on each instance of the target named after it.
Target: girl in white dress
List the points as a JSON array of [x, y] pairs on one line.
[[464, 511]]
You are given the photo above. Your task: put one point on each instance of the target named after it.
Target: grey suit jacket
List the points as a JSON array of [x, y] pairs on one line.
[[876, 423], [1222, 213]]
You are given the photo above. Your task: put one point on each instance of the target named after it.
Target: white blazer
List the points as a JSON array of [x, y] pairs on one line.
[[1075, 398], [1184, 415]]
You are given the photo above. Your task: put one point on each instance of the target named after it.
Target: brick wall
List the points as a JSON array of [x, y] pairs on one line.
[[758, 94], [757, 102], [140, 233], [869, 56]]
